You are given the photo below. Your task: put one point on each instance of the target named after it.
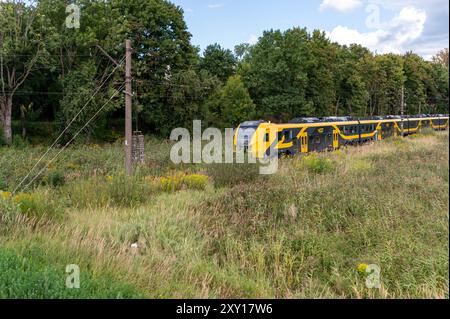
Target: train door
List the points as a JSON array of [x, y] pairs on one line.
[[335, 139], [304, 143]]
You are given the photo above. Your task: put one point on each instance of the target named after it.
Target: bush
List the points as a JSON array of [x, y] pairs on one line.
[[35, 205], [54, 179], [195, 181], [30, 275], [171, 183], [127, 191], [118, 190], [179, 181], [19, 142], [316, 164]]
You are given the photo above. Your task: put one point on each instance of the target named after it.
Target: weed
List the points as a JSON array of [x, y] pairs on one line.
[[317, 164]]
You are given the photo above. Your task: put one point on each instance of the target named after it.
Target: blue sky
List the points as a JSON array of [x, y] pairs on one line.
[[382, 25]]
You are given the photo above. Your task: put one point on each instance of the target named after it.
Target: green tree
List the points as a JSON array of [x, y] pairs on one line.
[[162, 55], [274, 71], [185, 93], [231, 104], [351, 89], [437, 87], [441, 57], [23, 43], [218, 61], [320, 68], [415, 77]]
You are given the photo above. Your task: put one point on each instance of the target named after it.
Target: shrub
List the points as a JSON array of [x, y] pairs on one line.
[[19, 142], [118, 190], [171, 183], [127, 191], [29, 274], [195, 181], [54, 179], [35, 205], [316, 164], [179, 181]]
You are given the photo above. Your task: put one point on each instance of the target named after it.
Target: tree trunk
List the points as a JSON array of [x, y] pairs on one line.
[[337, 107], [23, 121], [6, 120]]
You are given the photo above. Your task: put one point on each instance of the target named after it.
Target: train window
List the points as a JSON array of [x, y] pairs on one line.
[[287, 135], [317, 139], [280, 136], [266, 137]]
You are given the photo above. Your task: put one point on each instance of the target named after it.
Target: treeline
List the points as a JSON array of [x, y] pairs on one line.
[[50, 72]]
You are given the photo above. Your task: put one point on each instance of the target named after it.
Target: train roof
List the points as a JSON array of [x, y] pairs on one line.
[[251, 123], [336, 119], [305, 120]]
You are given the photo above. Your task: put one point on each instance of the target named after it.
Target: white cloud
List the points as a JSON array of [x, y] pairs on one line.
[[215, 6], [394, 36], [253, 39], [340, 5]]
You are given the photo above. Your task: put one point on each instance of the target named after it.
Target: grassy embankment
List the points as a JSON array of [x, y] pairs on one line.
[[299, 233]]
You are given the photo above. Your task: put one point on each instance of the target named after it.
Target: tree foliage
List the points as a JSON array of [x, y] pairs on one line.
[[231, 104], [285, 74], [218, 61]]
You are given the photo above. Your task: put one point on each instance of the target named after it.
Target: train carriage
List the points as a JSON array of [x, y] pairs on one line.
[[303, 135]]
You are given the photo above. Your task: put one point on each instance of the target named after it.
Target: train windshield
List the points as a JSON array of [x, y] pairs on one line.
[[246, 132]]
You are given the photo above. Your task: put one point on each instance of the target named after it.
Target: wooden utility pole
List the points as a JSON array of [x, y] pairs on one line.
[[402, 106], [128, 110]]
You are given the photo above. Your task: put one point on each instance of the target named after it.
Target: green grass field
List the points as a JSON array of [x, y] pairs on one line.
[[300, 233]]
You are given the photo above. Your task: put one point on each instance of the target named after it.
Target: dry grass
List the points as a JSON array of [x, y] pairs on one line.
[[298, 234]]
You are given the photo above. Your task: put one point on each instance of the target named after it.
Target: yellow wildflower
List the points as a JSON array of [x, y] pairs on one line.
[[22, 197], [195, 181], [362, 268], [5, 195]]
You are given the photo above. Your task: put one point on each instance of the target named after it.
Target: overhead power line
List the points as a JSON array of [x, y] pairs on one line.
[[67, 127], [73, 138]]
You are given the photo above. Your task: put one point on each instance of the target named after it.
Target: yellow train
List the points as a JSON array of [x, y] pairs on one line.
[[303, 135]]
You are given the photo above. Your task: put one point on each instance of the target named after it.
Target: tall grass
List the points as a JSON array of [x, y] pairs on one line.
[[301, 233]]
